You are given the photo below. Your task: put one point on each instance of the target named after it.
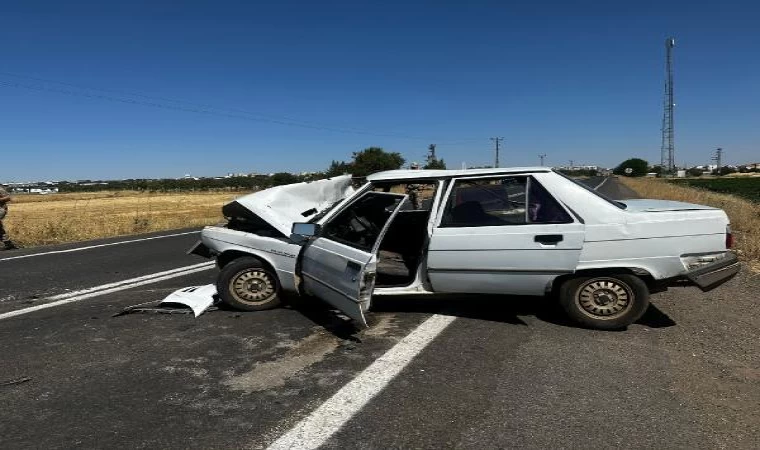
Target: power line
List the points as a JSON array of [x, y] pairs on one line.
[[197, 108], [174, 100]]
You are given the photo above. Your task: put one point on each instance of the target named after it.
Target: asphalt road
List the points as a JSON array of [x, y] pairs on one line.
[[506, 372]]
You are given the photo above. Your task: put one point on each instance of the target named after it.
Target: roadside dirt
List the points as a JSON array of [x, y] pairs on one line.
[[714, 353]]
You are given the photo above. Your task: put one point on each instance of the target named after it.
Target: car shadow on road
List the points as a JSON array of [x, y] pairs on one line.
[[655, 318], [492, 308]]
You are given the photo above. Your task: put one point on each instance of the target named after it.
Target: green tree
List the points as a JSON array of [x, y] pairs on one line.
[[638, 168], [435, 163], [338, 168], [365, 162], [725, 170], [281, 178], [375, 159]]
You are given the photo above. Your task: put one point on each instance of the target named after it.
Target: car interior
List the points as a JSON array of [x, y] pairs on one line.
[[401, 249]]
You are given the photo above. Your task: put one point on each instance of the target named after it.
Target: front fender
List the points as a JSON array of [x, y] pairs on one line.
[[279, 254]]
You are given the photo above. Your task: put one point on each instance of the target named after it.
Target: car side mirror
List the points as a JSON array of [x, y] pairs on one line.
[[306, 229]]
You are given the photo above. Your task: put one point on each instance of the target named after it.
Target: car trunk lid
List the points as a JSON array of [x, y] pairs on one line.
[[648, 205]]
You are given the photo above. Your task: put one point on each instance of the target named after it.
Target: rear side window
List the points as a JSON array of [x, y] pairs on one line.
[[501, 202]]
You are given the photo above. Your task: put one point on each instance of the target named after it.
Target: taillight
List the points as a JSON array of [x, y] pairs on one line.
[[729, 237]]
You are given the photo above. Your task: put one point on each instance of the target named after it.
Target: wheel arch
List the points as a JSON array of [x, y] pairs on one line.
[[228, 256], [644, 274]]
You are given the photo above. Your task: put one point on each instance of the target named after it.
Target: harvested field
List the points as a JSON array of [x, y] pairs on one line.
[[58, 218], [747, 187], [744, 214]]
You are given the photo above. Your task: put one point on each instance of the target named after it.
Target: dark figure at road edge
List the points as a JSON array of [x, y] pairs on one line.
[[5, 198]]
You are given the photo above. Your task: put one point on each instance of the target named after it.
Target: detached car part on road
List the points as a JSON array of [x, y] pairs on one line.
[[521, 231]]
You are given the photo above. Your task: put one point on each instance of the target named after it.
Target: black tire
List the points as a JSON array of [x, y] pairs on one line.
[[604, 302], [248, 285]]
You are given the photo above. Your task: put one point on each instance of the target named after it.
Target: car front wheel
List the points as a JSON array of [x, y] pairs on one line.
[[605, 302], [248, 285]]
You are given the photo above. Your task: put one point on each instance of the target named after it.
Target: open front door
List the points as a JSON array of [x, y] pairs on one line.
[[340, 265]]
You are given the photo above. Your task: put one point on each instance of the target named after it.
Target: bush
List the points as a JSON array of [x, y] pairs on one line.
[[694, 172], [638, 166]]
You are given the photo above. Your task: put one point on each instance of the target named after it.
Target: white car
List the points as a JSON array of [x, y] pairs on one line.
[[518, 231]]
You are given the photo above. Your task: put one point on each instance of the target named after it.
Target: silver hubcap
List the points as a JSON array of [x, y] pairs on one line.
[[604, 298], [252, 286]]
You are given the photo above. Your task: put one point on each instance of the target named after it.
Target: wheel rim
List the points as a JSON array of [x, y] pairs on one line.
[[253, 286], [604, 298]]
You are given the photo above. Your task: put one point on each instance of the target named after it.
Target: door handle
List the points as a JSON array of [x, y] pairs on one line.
[[548, 239]]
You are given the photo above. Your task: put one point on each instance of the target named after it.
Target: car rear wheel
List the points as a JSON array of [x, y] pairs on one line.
[[248, 285], [605, 302]]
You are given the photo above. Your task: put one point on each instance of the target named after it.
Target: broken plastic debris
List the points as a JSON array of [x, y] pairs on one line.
[[197, 298]]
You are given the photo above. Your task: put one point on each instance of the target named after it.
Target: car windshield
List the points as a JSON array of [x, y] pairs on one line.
[[618, 204]]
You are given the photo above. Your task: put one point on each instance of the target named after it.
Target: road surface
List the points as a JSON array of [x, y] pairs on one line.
[[474, 372]]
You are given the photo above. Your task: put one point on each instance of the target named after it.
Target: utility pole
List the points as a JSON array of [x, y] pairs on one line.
[[571, 164], [497, 140], [716, 158], [542, 156], [668, 149]]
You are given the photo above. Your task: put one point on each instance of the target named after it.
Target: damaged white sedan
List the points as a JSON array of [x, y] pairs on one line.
[[522, 231]]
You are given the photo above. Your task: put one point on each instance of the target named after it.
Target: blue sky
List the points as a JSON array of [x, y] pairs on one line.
[[575, 80]]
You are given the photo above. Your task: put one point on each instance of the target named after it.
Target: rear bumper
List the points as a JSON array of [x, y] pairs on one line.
[[712, 275]]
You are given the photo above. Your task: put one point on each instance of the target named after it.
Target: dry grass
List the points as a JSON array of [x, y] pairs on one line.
[[744, 215], [51, 219]]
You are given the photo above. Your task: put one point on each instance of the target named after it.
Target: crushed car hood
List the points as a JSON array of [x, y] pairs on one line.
[[647, 205], [282, 206]]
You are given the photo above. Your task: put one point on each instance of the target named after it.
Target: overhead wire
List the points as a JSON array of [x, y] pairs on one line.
[[198, 108]]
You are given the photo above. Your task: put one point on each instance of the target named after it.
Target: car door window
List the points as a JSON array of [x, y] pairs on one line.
[[421, 193], [542, 207], [360, 224], [500, 202]]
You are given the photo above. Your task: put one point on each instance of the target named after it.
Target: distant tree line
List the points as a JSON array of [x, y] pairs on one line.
[[637, 167], [363, 163], [255, 182]]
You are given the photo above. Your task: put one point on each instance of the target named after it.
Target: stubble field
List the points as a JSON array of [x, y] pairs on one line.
[[57, 218]]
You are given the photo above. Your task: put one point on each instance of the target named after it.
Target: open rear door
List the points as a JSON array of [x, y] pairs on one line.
[[340, 265]]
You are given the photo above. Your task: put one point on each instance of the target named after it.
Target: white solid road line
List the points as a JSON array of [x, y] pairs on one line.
[[600, 184], [325, 421], [104, 287], [79, 249], [75, 296]]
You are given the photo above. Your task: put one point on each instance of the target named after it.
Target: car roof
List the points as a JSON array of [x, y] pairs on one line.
[[437, 174]]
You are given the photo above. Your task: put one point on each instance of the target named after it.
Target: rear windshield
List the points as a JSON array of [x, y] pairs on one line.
[[614, 202]]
